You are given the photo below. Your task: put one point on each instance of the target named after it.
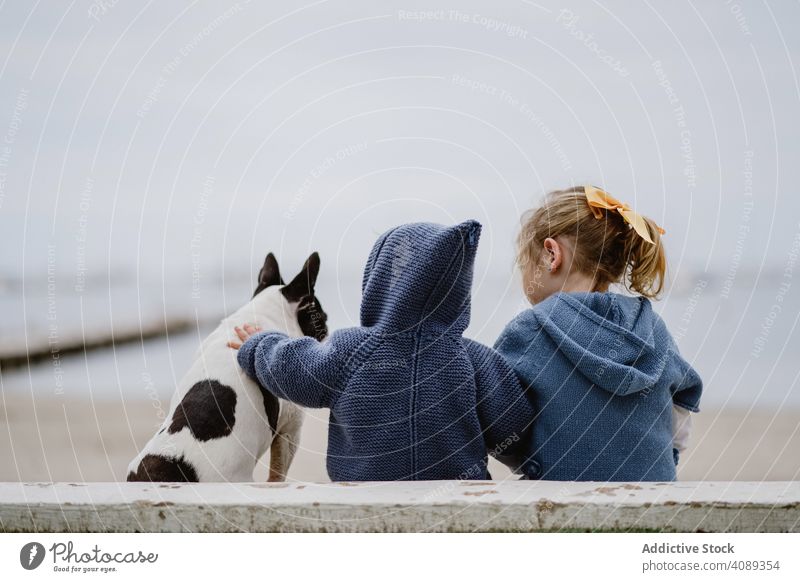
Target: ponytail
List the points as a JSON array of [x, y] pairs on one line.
[[647, 262]]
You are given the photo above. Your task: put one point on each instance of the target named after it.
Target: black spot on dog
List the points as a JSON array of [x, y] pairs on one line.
[[159, 468], [208, 410], [272, 407], [313, 321]]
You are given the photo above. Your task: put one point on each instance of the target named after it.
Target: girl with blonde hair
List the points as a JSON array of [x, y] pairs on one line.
[[611, 392]]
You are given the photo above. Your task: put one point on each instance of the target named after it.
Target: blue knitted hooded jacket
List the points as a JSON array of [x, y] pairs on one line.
[[604, 373], [410, 398]]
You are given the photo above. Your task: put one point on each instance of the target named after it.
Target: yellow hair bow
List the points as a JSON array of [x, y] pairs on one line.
[[599, 200]]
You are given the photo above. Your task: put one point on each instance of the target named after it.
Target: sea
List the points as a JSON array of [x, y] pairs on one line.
[[740, 333]]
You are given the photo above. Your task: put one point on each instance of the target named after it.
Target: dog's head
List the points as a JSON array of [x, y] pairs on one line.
[[299, 292]]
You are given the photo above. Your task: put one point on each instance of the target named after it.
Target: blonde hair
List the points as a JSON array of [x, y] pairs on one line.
[[608, 249]]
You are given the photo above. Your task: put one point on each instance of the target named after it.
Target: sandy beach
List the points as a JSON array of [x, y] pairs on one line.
[[62, 439]]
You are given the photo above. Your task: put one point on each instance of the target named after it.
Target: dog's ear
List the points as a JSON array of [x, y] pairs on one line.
[[303, 283], [269, 274]]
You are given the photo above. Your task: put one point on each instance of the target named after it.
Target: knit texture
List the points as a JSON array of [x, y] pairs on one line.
[[410, 398], [603, 372]]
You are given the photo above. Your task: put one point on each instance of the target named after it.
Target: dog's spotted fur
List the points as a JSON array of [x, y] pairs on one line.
[[208, 410], [161, 468], [220, 421]]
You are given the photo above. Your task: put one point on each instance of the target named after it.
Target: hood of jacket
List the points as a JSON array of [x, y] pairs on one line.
[[617, 342], [420, 274]]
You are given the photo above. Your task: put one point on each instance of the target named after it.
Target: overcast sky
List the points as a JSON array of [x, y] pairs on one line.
[[162, 136]]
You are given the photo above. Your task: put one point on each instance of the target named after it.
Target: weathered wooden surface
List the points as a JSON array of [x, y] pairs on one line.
[[401, 507]]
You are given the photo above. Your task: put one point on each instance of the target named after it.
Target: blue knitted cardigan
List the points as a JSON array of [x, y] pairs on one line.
[[604, 372], [410, 398]]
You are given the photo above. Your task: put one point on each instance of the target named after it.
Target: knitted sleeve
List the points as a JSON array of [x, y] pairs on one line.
[[504, 408], [687, 390], [301, 370]]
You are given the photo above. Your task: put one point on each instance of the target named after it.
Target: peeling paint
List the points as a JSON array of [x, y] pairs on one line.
[[606, 491]]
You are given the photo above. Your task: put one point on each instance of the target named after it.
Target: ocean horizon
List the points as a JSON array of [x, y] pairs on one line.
[[740, 337]]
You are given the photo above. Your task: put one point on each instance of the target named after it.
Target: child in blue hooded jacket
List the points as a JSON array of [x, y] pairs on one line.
[[612, 393], [410, 398]]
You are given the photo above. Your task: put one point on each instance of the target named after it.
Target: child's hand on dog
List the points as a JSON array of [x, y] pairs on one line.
[[245, 332]]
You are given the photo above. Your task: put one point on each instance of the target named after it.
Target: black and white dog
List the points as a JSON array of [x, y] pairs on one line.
[[220, 421]]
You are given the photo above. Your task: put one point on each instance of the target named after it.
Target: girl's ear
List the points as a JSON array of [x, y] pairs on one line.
[[554, 256]]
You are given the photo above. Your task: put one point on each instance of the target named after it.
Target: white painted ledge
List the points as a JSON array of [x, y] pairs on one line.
[[400, 507]]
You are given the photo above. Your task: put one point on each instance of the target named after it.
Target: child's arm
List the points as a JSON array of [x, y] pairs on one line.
[[687, 392], [302, 370], [504, 409], [515, 344], [685, 400]]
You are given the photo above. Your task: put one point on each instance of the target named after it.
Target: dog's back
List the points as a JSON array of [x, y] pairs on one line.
[[220, 421]]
